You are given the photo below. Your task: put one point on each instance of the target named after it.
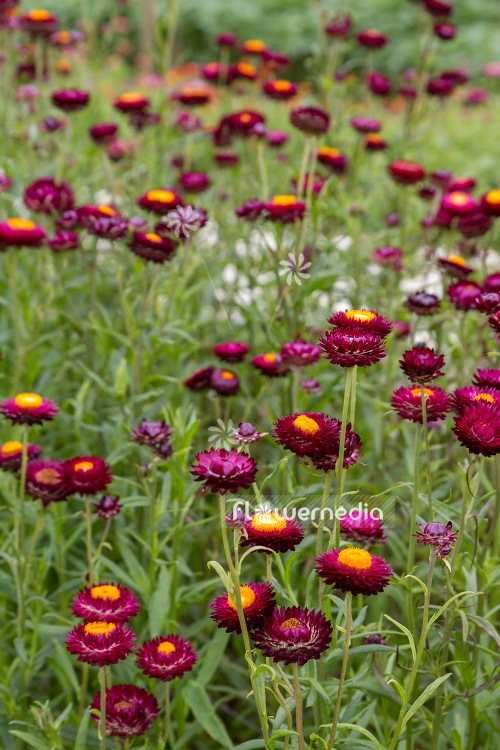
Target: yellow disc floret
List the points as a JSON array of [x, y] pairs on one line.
[[484, 397], [152, 237], [291, 623], [457, 260], [161, 196], [270, 357], [282, 85], [284, 200], [99, 628], [28, 400], [306, 424], [106, 591], [247, 598], [166, 648], [23, 224], [356, 558], [493, 197], [84, 466], [227, 375], [268, 522], [39, 15], [360, 316], [11, 447]]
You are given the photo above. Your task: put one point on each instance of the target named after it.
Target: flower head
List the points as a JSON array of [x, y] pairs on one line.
[[64, 241], [246, 433], [86, 475], [463, 294], [361, 528], [100, 643], [423, 303], [199, 379], [130, 711], [307, 434], [478, 428], [406, 172], [132, 101], [349, 347], [257, 600], [161, 201], [368, 321], [284, 208], [250, 210], [455, 266], [270, 364], [300, 353], [39, 23], [408, 403], [20, 233], [272, 530], [107, 507], [372, 39], [437, 535], [355, 570], [280, 90], [28, 408], [224, 382], [151, 433], [487, 377], [47, 197], [70, 100], [458, 203], [105, 602], [103, 133], [11, 454], [194, 182], [223, 470], [333, 160], [232, 351], [310, 119], [294, 635], [45, 481], [339, 26], [151, 246], [388, 256], [490, 203], [421, 364], [166, 657]]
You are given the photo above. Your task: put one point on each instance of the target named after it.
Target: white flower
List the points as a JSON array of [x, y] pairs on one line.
[[295, 268]]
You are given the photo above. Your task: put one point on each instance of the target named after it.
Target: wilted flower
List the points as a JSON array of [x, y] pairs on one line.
[[166, 657], [246, 433], [28, 408], [224, 471], [105, 602], [355, 570], [130, 711], [437, 535], [257, 600], [45, 481], [199, 379], [294, 635]]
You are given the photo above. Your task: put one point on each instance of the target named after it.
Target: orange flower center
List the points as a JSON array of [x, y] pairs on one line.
[[282, 85], [457, 260], [356, 558], [227, 375], [166, 648], [107, 210], [290, 624], [23, 224], [99, 628], [254, 45], [11, 447], [245, 117], [418, 392], [284, 200], [39, 15], [48, 476], [247, 598], [152, 237], [328, 151], [361, 316], [484, 397], [123, 704], [249, 70], [84, 466], [270, 357], [493, 197], [372, 32], [268, 522], [63, 66], [457, 198], [28, 400], [105, 592], [306, 424], [132, 96], [64, 37], [374, 138], [160, 196], [193, 91]]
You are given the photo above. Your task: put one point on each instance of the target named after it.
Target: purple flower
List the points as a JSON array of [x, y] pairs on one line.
[[294, 635], [224, 471]]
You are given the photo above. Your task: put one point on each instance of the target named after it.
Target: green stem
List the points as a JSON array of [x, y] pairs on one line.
[[298, 706], [102, 717], [340, 461], [269, 567], [324, 503], [262, 169], [90, 557], [166, 732], [153, 535], [413, 524], [83, 690], [303, 166], [427, 451], [348, 626]]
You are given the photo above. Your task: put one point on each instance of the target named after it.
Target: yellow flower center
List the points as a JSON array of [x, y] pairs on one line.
[[84, 466], [11, 447], [493, 197], [227, 375], [306, 424], [247, 598], [212, 66], [28, 400], [268, 522], [270, 357], [282, 85], [160, 196], [245, 117], [166, 648], [291, 623], [193, 91], [374, 138], [105, 592], [48, 476], [39, 15], [247, 69], [63, 66], [24, 224], [99, 628], [361, 316], [254, 45], [152, 237], [64, 37], [132, 96], [372, 32], [107, 210], [484, 397], [328, 151], [284, 200], [418, 392], [457, 198], [356, 558], [457, 260], [123, 704]]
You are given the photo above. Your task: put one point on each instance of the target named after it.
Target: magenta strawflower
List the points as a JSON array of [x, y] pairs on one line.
[[232, 351], [272, 530], [423, 303], [463, 294], [421, 364], [45, 481], [151, 246], [166, 657], [100, 643], [436, 534], [478, 428], [487, 377], [310, 119], [458, 202], [455, 266], [293, 635], [408, 403], [355, 570], [151, 434], [300, 353], [372, 39], [20, 233], [307, 434], [406, 172], [107, 507], [28, 408], [388, 256], [86, 475], [487, 302], [160, 201], [224, 382], [105, 602], [70, 100], [246, 433], [368, 321], [199, 379], [132, 101], [224, 471], [349, 347], [130, 711], [494, 322], [194, 182], [257, 600], [339, 26], [361, 528], [285, 209], [366, 124], [103, 133], [47, 197], [64, 241], [11, 454], [250, 210], [270, 364]]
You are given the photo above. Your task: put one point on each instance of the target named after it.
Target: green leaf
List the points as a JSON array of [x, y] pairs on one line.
[[203, 710], [81, 737], [429, 690], [363, 731], [121, 378], [212, 657], [440, 611], [159, 604], [407, 634], [31, 739], [278, 734], [221, 572]]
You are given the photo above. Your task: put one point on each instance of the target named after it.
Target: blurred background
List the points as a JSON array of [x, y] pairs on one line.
[[291, 27]]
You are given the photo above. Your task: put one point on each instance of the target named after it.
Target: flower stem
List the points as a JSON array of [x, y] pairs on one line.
[[298, 706], [340, 461], [262, 170], [102, 717], [153, 536], [269, 567], [348, 625], [324, 502], [413, 523], [427, 451], [90, 557], [166, 731]]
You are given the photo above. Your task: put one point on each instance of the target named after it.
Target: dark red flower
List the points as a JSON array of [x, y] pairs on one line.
[[401, 329], [300, 353], [463, 294], [250, 210], [408, 91], [363, 321], [284, 208], [277, 138], [406, 172], [224, 471], [253, 47], [379, 84], [440, 177], [199, 379], [445, 31], [132, 102], [52, 125], [45, 481], [310, 119], [100, 643], [339, 26], [270, 364], [461, 184], [490, 203], [224, 382], [458, 203], [86, 475], [272, 530], [193, 95], [11, 454], [275, 60], [39, 23], [107, 507], [423, 303], [372, 39], [440, 8], [359, 527], [333, 159], [63, 241], [232, 351], [492, 283], [105, 602], [440, 87], [355, 570], [160, 201], [257, 600], [421, 364], [469, 395], [44, 196], [494, 322], [307, 434], [487, 302], [28, 408], [194, 182], [226, 158], [280, 90], [478, 428], [373, 142], [227, 39], [455, 266], [350, 347], [408, 403], [374, 638], [388, 256], [152, 247], [327, 459], [294, 635], [103, 133], [166, 657], [130, 711], [487, 377], [20, 233], [70, 100]]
